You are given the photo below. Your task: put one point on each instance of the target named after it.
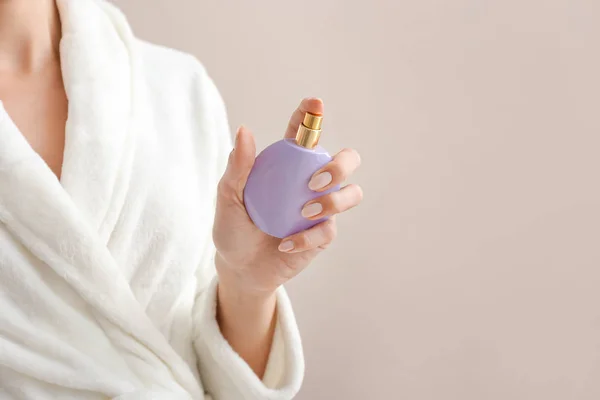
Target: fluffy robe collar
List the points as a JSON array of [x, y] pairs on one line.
[[68, 223]]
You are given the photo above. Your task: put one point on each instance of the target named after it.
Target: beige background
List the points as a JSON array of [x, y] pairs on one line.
[[472, 271]]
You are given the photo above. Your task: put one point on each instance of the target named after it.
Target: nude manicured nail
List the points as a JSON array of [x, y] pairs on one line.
[[286, 246], [320, 181], [311, 210]]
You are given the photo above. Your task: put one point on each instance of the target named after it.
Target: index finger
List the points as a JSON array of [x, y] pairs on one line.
[[312, 105]]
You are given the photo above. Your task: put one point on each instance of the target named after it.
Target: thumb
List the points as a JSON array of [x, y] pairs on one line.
[[240, 161]]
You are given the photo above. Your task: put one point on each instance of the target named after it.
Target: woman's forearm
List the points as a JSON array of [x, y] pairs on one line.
[[247, 321]]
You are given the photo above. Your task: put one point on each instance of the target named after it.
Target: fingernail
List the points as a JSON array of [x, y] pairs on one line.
[[286, 246], [311, 210], [320, 181]]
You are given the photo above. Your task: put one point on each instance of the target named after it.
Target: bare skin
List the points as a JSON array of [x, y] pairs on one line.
[[250, 264], [31, 85]]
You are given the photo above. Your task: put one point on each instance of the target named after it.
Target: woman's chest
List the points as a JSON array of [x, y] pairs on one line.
[[38, 105], [164, 230]]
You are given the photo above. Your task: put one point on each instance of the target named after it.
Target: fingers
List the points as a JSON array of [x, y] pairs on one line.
[[239, 165], [311, 105], [333, 203], [319, 236], [335, 172]]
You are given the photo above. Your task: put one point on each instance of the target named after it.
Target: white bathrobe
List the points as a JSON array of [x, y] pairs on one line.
[[107, 283]]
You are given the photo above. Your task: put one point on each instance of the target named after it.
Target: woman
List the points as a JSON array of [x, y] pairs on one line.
[[108, 285]]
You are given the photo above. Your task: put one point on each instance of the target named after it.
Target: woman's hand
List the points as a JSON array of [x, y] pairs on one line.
[[251, 264], [254, 263]]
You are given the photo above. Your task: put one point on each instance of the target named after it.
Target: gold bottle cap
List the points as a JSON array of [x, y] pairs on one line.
[[312, 121], [309, 131]]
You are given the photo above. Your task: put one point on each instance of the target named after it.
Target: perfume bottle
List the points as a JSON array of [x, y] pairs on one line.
[[277, 187]]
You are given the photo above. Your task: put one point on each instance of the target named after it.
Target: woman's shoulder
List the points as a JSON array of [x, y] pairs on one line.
[[167, 69], [166, 58], [187, 103]]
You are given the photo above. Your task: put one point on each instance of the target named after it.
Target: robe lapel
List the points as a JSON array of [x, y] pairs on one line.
[[97, 64], [67, 224]]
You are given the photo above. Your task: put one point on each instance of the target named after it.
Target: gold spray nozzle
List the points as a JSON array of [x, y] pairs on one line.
[[312, 121], [309, 131]]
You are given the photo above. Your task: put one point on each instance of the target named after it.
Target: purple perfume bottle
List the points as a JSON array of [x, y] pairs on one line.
[[277, 187]]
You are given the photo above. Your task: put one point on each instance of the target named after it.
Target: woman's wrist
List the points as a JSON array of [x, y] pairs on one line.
[[246, 318], [234, 282], [239, 298]]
